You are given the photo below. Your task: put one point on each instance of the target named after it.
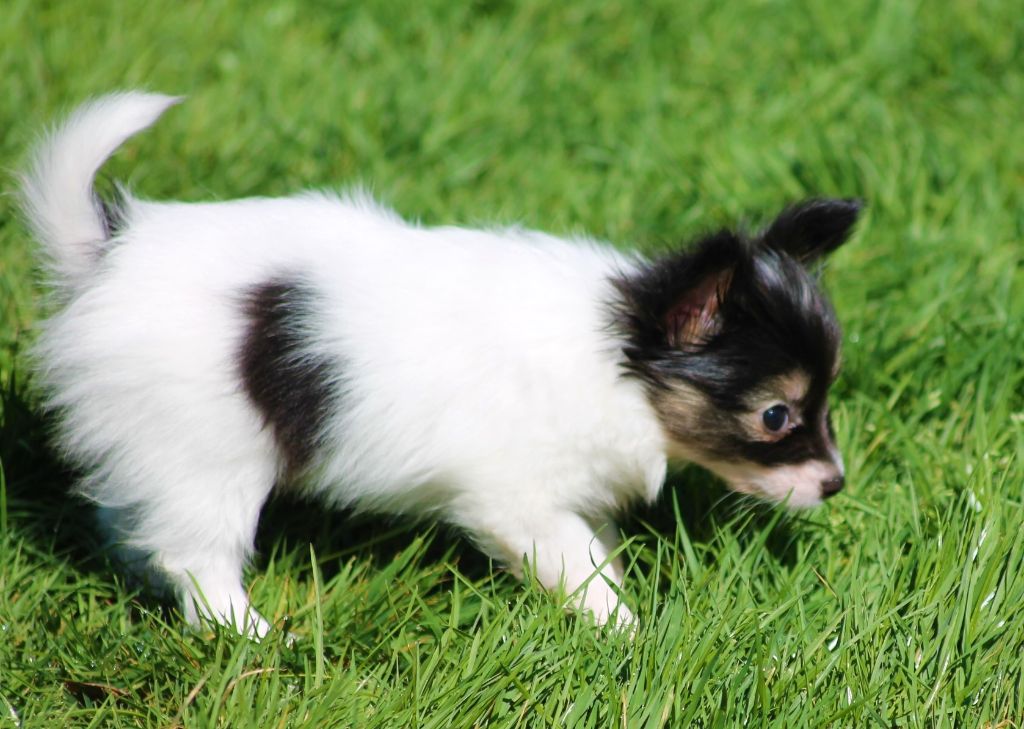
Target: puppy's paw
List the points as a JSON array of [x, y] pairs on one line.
[[602, 604], [620, 619]]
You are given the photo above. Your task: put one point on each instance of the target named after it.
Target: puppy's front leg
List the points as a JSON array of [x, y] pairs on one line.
[[566, 552]]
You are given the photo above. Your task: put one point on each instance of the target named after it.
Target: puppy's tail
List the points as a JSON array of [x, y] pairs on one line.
[[57, 196]]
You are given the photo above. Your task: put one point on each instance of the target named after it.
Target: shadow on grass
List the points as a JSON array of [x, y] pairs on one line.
[[289, 524], [708, 512], [40, 505]]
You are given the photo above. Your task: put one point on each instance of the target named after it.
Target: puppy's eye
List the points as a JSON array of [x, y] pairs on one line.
[[776, 418]]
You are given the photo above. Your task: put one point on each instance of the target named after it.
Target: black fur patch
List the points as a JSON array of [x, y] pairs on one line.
[[772, 319], [806, 443], [293, 388], [812, 229], [110, 209]]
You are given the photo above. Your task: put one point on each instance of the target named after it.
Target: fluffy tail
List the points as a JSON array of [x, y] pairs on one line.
[[57, 194]]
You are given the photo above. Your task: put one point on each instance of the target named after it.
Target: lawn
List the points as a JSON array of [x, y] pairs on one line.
[[899, 604]]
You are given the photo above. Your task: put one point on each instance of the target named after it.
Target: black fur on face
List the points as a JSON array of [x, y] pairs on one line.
[[708, 329]]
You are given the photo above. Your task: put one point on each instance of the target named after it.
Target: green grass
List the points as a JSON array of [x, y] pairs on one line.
[[898, 604]]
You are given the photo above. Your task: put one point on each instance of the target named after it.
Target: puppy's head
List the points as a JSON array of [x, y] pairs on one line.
[[738, 347]]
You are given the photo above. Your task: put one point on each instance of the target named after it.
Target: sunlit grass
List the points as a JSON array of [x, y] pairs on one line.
[[898, 604]]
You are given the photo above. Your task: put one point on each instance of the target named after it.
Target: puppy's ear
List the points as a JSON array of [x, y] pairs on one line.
[[811, 230], [695, 316], [675, 302]]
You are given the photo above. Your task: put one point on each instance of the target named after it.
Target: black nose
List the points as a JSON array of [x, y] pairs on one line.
[[832, 486]]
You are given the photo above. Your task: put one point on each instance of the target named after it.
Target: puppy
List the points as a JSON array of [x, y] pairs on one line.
[[521, 387]]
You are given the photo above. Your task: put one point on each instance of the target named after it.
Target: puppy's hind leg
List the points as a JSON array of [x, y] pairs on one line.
[[195, 535]]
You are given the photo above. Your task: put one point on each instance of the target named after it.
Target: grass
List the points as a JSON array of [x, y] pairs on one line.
[[899, 604]]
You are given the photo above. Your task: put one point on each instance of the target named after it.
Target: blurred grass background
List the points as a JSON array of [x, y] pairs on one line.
[[896, 605]]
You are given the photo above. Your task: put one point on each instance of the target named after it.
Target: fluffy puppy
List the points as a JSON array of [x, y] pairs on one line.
[[519, 386]]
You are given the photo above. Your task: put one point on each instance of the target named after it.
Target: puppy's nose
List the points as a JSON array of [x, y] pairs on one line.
[[832, 486]]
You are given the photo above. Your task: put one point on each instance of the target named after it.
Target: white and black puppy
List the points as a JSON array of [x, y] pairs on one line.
[[519, 386]]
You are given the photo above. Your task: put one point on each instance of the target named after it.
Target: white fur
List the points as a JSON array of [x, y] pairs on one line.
[[781, 483], [58, 188], [482, 382]]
